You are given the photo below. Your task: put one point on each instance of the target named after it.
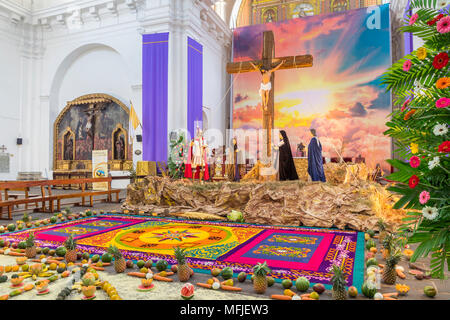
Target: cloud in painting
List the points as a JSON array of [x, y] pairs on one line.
[[358, 110], [239, 98]]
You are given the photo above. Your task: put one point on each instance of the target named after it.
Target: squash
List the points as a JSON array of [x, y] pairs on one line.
[[369, 289]]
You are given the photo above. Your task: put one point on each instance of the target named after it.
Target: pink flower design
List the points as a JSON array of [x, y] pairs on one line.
[[407, 65], [413, 18], [414, 161], [424, 197], [405, 104], [443, 102], [443, 25]]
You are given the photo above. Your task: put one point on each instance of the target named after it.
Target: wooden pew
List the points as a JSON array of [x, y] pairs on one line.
[[52, 198]]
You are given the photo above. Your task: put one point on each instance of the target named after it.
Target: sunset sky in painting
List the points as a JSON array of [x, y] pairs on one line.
[[340, 95]]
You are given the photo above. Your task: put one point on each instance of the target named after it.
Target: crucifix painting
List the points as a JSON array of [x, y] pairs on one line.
[[93, 111], [268, 64]]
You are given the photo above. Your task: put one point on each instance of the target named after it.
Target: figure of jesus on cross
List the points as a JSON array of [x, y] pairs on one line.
[[267, 65], [266, 82]]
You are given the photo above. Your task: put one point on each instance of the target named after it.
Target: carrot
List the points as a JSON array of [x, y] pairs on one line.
[[16, 254], [204, 285], [159, 278], [230, 288], [308, 298], [389, 298], [217, 280], [381, 265], [392, 294], [137, 274], [58, 258], [280, 297], [306, 295], [53, 261], [400, 274], [97, 268], [170, 273]]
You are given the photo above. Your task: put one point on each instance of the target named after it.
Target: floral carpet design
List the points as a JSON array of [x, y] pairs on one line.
[[290, 252]]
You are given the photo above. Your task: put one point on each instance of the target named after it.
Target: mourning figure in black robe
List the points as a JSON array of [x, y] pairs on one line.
[[315, 162], [286, 164]]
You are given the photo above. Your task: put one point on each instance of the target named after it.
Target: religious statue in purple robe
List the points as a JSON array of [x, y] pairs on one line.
[[315, 162]]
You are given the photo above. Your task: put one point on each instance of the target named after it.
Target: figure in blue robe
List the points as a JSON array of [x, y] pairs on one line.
[[315, 162]]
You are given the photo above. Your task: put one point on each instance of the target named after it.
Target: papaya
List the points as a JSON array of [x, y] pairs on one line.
[[28, 287], [53, 278]]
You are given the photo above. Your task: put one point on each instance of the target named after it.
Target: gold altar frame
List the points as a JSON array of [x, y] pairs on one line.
[[69, 165]]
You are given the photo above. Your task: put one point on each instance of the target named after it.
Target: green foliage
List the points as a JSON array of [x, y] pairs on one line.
[[30, 240], [175, 163], [416, 135], [132, 173], [261, 269]]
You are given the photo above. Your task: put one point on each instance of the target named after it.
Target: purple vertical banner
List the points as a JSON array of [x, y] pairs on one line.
[[409, 46], [195, 85], [155, 72]]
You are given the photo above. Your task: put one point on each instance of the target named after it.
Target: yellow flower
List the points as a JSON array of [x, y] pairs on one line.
[[421, 53], [414, 148]]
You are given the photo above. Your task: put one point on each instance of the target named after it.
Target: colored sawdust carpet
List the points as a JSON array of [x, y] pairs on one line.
[[290, 252]]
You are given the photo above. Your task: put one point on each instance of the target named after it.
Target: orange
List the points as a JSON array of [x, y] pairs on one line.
[[15, 268]]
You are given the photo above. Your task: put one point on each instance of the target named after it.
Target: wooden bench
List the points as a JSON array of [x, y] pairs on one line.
[[43, 198]]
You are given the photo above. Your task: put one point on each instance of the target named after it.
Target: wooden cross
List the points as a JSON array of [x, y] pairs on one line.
[[269, 61]]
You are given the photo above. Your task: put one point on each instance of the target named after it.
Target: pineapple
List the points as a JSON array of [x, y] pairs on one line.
[[260, 272], [184, 271], [30, 250], [71, 246], [389, 273], [382, 229], [339, 284], [119, 261]]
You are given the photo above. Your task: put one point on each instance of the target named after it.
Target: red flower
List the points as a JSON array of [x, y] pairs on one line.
[[436, 19], [440, 60], [444, 147], [414, 161], [413, 181], [405, 104]]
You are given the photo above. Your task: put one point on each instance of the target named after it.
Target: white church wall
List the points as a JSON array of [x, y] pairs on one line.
[[98, 49], [10, 96]]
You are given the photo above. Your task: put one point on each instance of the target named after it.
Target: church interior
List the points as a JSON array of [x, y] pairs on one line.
[[219, 150]]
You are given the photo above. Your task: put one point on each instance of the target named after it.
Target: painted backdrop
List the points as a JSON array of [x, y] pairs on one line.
[[340, 95]]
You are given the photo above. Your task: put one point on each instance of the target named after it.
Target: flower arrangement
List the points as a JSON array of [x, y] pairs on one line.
[[175, 162], [420, 84]]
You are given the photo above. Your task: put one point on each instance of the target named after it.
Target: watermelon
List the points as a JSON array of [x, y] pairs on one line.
[[161, 265], [61, 251], [3, 278], [371, 262], [22, 245], [45, 250], [302, 284], [53, 219], [370, 244], [187, 291], [369, 289], [106, 257], [95, 258], [85, 255], [227, 273], [140, 264], [11, 227], [2, 243]]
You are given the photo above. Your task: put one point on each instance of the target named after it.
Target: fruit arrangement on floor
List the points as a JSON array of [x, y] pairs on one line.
[[36, 268]]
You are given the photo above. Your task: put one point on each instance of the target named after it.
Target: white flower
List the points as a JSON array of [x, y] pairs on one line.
[[433, 163], [441, 4], [440, 129], [430, 213]]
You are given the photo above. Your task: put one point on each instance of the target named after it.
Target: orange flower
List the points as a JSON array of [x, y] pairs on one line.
[[409, 114], [443, 83]]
